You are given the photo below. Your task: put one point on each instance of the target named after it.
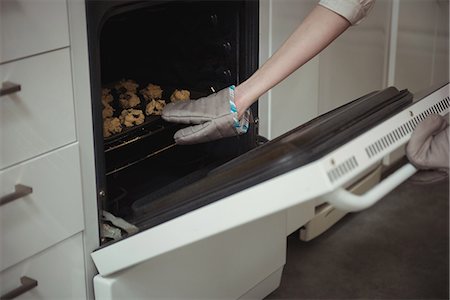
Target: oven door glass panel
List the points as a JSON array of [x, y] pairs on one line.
[[288, 152], [266, 180]]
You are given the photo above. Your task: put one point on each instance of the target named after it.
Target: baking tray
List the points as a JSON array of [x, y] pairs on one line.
[[151, 124]]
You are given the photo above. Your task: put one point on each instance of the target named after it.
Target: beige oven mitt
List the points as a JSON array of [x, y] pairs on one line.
[[212, 118], [428, 147]]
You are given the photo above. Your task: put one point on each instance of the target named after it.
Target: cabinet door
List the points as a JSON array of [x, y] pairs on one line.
[[50, 213], [422, 57], [58, 272], [30, 27], [39, 117]]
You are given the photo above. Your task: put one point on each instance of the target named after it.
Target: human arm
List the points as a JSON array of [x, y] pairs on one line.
[[315, 33], [213, 115]]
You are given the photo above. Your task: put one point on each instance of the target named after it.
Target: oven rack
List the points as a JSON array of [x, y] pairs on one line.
[[151, 124]]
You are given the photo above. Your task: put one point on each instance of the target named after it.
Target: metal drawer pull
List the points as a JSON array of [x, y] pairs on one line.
[[9, 88], [27, 284], [20, 191]]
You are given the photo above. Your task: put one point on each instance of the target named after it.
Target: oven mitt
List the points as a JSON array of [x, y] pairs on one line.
[[212, 118], [428, 147]]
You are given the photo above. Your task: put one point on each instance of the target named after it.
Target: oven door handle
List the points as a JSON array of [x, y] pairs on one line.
[[347, 201]]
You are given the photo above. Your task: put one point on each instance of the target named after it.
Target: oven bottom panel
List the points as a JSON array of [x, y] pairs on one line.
[[225, 266]]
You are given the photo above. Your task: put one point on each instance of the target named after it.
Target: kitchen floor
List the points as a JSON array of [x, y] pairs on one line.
[[398, 249]]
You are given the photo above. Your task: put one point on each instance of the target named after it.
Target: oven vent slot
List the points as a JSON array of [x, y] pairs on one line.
[[406, 128], [342, 169]]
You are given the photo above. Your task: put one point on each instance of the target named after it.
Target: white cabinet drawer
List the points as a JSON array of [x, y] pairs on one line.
[[59, 272], [50, 214], [39, 117], [29, 27]]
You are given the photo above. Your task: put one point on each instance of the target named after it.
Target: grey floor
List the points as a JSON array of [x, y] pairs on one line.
[[397, 249]]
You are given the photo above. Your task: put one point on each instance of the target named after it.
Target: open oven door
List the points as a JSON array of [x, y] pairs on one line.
[[231, 244]]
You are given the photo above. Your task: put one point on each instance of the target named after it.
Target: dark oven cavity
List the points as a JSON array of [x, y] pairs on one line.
[[197, 47]]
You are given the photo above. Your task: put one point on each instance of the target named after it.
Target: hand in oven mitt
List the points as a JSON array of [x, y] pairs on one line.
[[428, 147], [212, 117]]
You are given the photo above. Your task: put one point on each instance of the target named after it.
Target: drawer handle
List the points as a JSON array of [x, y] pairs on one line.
[[20, 191], [27, 284], [9, 88]]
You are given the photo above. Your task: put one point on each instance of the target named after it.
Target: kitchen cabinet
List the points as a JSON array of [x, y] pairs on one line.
[[32, 27], [57, 273], [50, 213], [40, 117], [422, 53], [41, 212]]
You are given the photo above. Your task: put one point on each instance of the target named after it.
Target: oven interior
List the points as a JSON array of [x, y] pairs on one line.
[[199, 46]]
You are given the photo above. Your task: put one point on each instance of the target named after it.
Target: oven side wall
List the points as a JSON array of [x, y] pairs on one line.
[[83, 119]]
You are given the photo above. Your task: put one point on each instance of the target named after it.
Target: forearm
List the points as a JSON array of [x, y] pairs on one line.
[[314, 34]]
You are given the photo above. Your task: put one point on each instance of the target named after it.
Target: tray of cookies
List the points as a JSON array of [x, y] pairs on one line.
[[130, 108]]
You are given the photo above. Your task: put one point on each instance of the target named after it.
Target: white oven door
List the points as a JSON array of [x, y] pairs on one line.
[[235, 247], [226, 249]]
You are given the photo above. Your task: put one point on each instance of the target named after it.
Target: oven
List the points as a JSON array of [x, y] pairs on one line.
[[198, 47], [208, 221]]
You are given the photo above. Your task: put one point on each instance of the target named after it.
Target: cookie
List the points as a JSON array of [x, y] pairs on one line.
[[106, 96], [152, 92], [111, 126], [180, 95], [131, 117], [129, 100], [108, 111], [126, 86], [155, 107]]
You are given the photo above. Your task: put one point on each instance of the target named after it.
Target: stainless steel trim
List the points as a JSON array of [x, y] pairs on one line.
[[141, 159]]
